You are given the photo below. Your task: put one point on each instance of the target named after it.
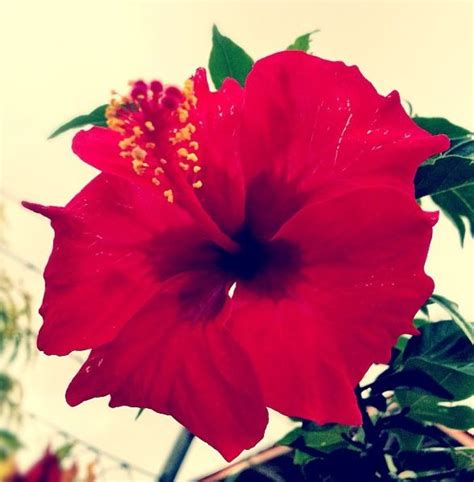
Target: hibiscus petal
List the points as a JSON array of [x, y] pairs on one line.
[[99, 147], [101, 270], [325, 123], [192, 370], [361, 283], [217, 116]]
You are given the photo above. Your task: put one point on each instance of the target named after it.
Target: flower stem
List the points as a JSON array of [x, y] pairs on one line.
[[176, 457]]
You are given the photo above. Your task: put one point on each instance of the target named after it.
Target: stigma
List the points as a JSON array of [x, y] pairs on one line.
[[157, 134]]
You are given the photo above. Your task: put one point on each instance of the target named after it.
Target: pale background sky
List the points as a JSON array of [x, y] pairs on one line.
[[62, 58]]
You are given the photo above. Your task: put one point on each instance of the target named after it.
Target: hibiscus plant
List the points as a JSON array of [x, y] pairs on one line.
[[260, 246]]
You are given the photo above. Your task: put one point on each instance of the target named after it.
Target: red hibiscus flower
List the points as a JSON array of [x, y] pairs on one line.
[[47, 469], [296, 192]]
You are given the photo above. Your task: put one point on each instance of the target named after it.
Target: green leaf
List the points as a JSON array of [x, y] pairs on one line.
[[440, 125], [96, 118], [448, 178], [445, 354], [458, 206], [426, 408], [227, 59], [302, 42], [65, 450], [452, 308], [326, 438], [139, 413], [447, 173], [291, 437]]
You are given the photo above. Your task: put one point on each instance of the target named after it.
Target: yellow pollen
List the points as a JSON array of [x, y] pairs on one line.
[[125, 154], [196, 169], [158, 171], [127, 142], [155, 181], [137, 131], [183, 115], [194, 145], [149, 125], [192, 157], [182, 152], [191, 127], [139, 166], [169, 195], [184, 166], [197, 185], [139, 153]]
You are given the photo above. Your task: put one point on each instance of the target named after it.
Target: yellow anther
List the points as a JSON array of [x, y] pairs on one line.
[[191, 127], [149, 125], [196, 169], [158, 171], [150, 145], [137, 131], [183, 114], [184, 166], [192, 99], [169, 195], [155, 181], [125, 154], [188, 87], [139, 153], [194, 145], [182, 152], [127, 142], [139, 166], [192, 157], [197, 185]]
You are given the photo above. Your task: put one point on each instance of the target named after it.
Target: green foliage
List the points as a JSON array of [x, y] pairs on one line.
[[227, 59], [9, 444], [440, 125], [15, 319], [303, 42], [10, 396], [95, 117], [399, 439], [65, 450], [449, 177], [453, 310]]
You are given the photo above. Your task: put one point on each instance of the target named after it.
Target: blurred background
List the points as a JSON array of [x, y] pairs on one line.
[[61, 58]]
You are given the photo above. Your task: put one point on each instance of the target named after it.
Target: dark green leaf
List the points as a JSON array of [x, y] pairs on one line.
[[96, 118], [450, 182], [445, 354], [447, 173], [290, 437], [139, 413], [303, 42], [452, 308], [426, 408], [227, 60], [440, 125], [458, 206]]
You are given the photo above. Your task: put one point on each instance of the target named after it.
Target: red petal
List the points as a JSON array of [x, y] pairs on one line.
[[99, 147], [308, 121], [102, 269], [362, 282], [45, 470], [218, 117], [193, 371]]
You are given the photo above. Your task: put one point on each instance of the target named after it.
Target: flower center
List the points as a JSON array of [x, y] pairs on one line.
[[268, 265], [157, 140]]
